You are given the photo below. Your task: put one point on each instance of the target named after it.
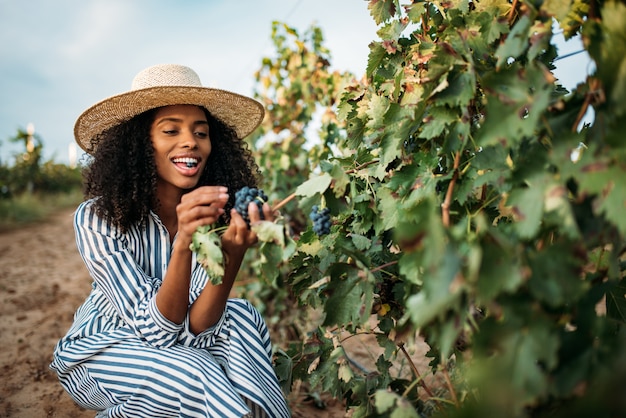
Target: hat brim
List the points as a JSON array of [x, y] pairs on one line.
[[241, 113]]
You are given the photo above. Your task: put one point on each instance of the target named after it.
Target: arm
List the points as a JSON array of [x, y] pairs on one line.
[[202, 206], [128, 289]]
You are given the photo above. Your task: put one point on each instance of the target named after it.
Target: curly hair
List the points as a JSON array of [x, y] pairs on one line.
[[122, 175]]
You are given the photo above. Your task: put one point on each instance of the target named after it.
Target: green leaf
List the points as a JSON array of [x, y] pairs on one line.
[[360, 242], [384, 400], [527, 206], [438, 294], [608, 49], [515, 43], [516, 100], [378, 106], [460, 90], [415, 12], [500, 268], [604, 179], [283, 366], [268, 231], [388, 402], [388, 207], [522, 352], [438, 119], [616, 302], [315, 185], [382, 10], [350, 297], [555, 277], [494, 27], [375, 58], [207, 245], [557, 8]]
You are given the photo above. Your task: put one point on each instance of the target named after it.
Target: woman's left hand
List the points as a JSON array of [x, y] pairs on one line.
[[238, 237]]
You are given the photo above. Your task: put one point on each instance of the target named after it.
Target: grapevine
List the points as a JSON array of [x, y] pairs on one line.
[[450, 174]]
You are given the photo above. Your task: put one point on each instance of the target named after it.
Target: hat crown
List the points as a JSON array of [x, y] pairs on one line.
[[166, 75]]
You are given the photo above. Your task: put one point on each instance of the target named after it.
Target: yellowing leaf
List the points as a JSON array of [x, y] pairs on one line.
[[207, 245]]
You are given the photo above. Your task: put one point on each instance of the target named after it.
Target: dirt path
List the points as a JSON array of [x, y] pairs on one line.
[[42, 282]]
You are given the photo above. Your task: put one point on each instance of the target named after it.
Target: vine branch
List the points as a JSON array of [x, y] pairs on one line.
[[283, 202], [445, 206], [415, 371]]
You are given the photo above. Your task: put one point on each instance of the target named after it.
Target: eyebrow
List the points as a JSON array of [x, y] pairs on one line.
[[177, 120]]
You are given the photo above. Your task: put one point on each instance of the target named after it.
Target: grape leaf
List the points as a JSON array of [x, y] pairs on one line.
[[516, 101], [382, 10], [527, 206], [268, 231], [314, 185], [437, 120], [616, 302], [385, 400], [350, 298], [554, 275], [515, 43], [207, 245]]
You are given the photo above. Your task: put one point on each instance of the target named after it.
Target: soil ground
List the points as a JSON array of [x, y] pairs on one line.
[[42, 282]]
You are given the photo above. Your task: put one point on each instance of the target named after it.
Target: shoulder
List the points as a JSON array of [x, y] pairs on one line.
[[85, 211], [87, 217]]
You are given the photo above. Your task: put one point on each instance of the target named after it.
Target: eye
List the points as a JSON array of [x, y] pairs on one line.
[[202, 134], [170, 131]]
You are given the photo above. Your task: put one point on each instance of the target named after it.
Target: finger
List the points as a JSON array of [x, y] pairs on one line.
[[253, 212], [207, 195], [267, 212], [238, 231]]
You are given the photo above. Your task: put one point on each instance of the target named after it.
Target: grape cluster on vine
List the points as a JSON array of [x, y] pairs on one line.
[[244, 196], [321, 220]]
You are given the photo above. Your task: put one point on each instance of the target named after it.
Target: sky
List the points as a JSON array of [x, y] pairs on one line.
[[58, 57]]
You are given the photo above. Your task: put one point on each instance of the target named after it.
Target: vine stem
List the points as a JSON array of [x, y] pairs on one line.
[[445, 206], [594, 87], [362, 166], [446, 376], [512, 11], [416, 372], [383, 266], [283, 202]]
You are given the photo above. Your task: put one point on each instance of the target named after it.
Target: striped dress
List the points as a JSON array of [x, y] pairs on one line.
[[123, 358]]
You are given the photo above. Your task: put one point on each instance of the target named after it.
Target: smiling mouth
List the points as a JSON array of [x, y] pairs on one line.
[[186, 162]]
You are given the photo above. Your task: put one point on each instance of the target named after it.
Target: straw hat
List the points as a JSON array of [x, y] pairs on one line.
[[163, 85]]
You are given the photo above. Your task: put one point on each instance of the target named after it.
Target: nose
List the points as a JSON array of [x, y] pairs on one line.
[[189, 140]]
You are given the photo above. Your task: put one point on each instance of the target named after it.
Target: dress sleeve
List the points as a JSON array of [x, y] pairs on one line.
[[126, 287]]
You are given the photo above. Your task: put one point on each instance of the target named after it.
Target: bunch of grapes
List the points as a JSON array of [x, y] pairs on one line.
[[244, 196], [321, 220]]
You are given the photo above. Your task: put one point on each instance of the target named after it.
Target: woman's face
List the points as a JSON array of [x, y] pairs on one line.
[[180, 138]]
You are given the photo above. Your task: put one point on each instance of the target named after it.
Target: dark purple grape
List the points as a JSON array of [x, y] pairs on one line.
[[321, 220], [244, 196]]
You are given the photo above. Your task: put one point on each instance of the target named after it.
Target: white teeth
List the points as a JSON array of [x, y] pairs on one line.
[[189, 161]]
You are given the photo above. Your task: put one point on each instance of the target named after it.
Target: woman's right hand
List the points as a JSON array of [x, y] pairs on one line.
[[202, 206]]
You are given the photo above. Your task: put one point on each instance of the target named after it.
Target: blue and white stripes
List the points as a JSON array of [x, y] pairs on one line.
[[123, 358]]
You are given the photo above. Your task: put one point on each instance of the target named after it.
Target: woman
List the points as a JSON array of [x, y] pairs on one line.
[[155, 338]]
